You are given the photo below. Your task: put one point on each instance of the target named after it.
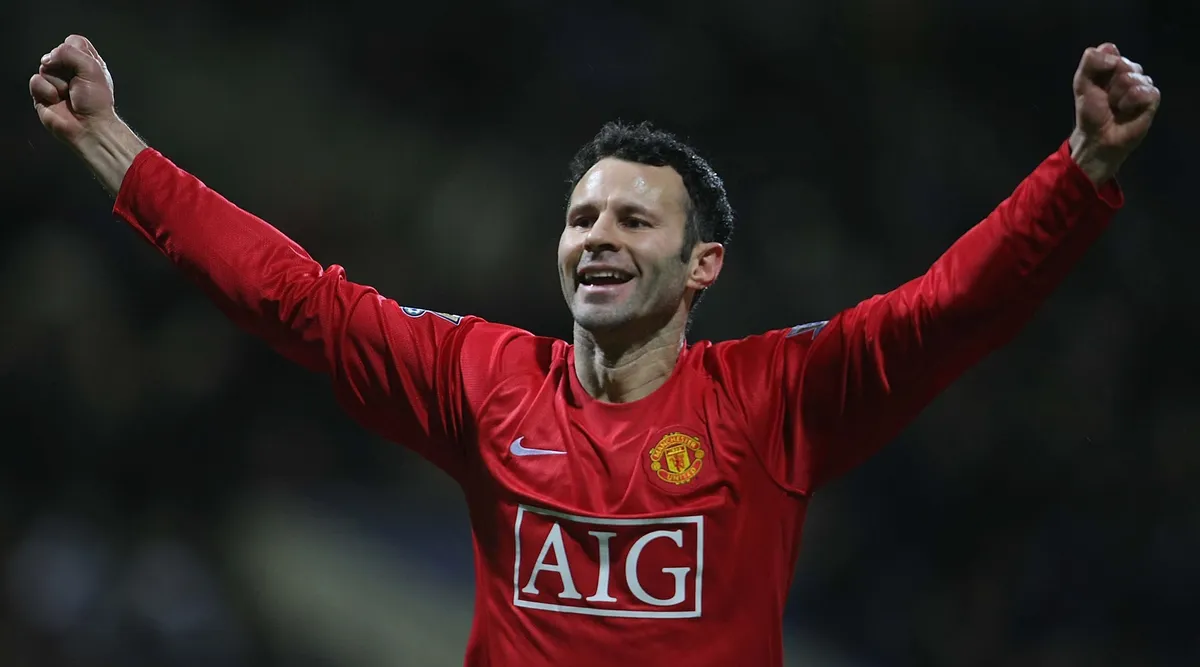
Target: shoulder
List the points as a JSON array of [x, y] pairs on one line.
[[505, 349], [499, 360], [755, 352], [753, 373]]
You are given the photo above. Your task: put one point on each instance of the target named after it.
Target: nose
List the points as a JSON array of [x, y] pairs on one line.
[[603, 234]]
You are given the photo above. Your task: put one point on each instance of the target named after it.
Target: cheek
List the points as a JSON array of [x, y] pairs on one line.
[[667, 279], [568, 253], [564, 249]]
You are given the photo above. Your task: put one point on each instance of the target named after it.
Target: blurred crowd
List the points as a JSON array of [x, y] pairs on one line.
[[172, 494]]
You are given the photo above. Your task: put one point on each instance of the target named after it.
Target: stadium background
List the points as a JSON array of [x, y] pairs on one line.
[[172, 494]]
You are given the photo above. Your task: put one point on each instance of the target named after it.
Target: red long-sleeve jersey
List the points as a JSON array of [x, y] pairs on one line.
[[663, 531]]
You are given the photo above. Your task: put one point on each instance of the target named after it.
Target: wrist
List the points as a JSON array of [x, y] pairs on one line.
[[1098, 163], [109, 148]]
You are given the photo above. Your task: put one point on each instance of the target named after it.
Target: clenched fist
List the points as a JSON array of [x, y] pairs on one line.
[[73, 95], [1115, 103], [72, 91]]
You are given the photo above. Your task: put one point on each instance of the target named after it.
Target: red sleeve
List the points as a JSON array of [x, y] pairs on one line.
[[837, 391], [395, 370]]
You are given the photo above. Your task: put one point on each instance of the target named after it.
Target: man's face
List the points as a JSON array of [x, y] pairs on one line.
[[619, 257]]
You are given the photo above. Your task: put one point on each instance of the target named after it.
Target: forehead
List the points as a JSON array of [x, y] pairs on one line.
[[615, 182]]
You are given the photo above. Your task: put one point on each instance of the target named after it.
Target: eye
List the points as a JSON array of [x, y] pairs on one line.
[[636, 223], [583, 221]]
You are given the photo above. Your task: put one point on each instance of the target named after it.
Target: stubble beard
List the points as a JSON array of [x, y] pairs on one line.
[[639, 317]]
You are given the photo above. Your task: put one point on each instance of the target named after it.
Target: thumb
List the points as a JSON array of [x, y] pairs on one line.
[[81, 78], [1096, 67], [74, 62]]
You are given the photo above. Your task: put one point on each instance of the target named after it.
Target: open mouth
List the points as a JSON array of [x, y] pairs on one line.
[[603, 277], [602, 282]]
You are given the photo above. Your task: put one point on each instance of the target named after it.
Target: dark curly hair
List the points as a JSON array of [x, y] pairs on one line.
[[709, 215]]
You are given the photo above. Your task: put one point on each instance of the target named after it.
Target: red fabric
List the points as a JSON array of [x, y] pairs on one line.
[[666, 530]]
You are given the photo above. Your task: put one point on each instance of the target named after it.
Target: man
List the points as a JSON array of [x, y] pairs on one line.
[[635, 499]]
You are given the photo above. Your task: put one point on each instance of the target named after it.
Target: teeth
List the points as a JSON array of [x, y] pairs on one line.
[[589, 276]]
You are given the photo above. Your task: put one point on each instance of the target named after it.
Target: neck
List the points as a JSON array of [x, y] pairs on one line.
[[621, 367]]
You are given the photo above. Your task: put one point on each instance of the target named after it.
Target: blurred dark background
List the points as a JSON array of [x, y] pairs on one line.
[[172, 494]]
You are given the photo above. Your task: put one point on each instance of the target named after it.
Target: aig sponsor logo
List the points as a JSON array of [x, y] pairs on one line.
[[627, 568]]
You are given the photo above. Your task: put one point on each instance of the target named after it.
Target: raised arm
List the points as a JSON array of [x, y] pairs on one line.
[[851, 384], [872, 368], [396, 370]]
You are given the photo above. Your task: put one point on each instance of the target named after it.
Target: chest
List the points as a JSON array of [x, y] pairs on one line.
[[672, 454], [620, 512]]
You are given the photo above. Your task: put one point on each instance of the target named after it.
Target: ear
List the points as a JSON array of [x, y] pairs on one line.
[[707, 260]]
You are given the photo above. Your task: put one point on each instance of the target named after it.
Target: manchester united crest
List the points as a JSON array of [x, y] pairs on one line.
[[677, 458]]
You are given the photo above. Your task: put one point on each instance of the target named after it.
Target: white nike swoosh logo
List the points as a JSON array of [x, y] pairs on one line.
[[518, 449]]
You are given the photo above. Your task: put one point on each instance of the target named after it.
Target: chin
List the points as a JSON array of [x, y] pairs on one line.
[[597, 320], [620, 322]]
